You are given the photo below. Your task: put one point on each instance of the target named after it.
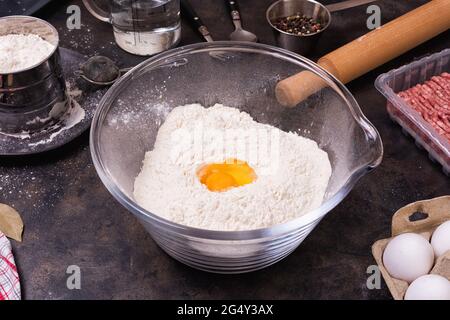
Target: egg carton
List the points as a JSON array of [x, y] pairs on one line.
[[421, 217]]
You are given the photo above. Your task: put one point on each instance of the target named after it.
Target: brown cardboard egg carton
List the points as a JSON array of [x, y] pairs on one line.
[[421, 217]]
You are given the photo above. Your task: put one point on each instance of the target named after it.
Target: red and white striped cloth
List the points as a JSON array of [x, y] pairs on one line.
[[9, 278]]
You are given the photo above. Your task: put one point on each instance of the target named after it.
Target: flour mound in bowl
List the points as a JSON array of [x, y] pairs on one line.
[[292, 172]]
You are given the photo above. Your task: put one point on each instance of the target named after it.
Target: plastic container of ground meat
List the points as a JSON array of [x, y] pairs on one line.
[[395, 81]]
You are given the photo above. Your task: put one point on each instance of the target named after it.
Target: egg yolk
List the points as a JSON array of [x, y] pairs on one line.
[[223, 176]]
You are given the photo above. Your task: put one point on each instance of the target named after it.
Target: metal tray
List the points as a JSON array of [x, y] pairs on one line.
[[56, 136]]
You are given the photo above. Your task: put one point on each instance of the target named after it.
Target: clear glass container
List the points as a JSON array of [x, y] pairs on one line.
[[413, 124], [142, 27], [129, 116]]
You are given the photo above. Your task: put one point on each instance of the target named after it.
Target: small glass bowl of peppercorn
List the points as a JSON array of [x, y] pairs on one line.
[[297, 24]]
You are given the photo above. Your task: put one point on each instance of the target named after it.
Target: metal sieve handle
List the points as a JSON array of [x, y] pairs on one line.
[[347, 4]]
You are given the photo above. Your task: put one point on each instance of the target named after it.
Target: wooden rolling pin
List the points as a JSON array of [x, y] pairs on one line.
[[369, 51]]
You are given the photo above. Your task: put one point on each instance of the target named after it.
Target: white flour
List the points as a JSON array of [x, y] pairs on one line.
[[292, 176], [71, 118], [19, 52]]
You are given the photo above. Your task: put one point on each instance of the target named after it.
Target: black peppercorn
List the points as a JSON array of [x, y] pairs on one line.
[[298, 24]]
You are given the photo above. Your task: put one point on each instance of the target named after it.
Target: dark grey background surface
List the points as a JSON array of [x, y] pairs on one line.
[[71, 219], [20, 7]]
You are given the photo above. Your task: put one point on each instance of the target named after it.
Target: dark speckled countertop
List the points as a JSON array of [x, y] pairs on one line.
[[71, 219]]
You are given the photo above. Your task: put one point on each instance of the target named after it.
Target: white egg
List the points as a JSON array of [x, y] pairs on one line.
[[429, 287], [408, 256], [440, 240]]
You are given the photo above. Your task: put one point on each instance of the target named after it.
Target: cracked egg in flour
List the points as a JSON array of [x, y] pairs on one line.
[[216, 168]]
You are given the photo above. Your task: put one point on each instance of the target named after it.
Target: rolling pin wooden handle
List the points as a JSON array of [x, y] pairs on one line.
[[370, 51]]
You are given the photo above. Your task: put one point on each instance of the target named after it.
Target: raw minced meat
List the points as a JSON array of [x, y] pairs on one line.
[[432, 100]]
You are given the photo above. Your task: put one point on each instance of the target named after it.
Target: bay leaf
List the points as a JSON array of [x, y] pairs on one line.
[[11, 223]]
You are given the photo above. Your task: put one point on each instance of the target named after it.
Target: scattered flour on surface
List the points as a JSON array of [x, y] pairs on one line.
[[169, 187], [74, 115], [20, 52]]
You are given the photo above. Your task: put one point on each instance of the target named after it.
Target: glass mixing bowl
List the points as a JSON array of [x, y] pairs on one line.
[[129, 116]]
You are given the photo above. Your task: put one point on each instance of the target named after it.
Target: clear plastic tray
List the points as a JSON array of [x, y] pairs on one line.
[[389, 84]]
